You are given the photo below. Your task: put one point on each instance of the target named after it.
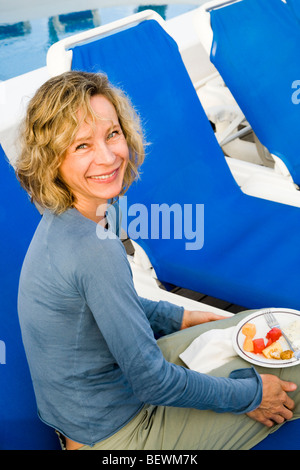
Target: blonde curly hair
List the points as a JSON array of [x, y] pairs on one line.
[[50, 127]]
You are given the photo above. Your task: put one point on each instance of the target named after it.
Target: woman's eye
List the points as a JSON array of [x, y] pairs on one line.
[[81, 146], [113, 134]]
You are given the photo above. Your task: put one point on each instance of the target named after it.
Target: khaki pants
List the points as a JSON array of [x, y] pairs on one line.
[[169, 428]]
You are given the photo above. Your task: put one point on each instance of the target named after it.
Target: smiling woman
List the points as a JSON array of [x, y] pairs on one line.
[[84, 144]]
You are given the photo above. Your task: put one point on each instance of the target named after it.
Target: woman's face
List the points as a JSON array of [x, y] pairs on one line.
[[95, 163]]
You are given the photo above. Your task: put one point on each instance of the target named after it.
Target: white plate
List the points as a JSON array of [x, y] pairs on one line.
[[284, 317]]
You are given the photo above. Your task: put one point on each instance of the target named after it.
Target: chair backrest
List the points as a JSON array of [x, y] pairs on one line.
[[255, 49], [20, 426]]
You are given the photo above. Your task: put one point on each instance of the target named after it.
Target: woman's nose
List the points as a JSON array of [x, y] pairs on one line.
[[104, 154]]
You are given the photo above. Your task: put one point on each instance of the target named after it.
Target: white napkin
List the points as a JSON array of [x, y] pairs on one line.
[[210, 350]]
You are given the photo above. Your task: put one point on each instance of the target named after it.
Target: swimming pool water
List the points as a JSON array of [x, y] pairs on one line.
[[24, 45]]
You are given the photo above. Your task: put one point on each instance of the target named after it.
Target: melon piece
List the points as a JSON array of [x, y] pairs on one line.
[[273, 351]]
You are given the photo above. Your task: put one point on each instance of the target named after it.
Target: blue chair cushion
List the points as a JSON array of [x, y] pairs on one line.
[[287, 437], [295, 7], [21, 429]]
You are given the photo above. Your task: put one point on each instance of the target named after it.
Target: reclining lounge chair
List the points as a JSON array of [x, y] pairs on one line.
[[251, 248]]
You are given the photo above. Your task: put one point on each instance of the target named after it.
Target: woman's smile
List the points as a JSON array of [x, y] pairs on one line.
[[105, 178]]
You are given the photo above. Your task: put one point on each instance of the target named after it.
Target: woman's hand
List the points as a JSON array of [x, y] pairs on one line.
[[276, 406], [193, 318]]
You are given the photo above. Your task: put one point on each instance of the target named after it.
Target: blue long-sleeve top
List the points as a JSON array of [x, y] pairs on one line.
[[89, 338]]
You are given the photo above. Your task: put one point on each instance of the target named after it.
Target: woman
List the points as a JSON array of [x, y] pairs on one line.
[[100, 377]]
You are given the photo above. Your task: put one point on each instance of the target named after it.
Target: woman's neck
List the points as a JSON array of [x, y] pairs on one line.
[[97, 213]]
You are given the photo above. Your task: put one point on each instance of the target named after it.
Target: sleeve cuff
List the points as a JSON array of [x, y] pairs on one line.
[[165, 318], [251, 380]]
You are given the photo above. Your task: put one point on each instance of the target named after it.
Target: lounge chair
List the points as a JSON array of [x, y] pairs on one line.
[[250, 247], [253, 44], [251, 252]]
